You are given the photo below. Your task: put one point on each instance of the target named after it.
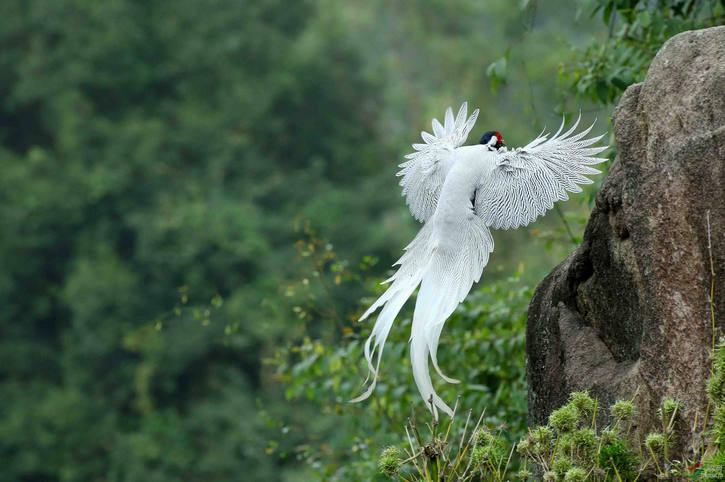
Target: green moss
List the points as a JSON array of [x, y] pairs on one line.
[[608, 435], [389, 461], [669, 405], [623, 410], [716, 382], [543, 438], [524, 474], [488, 454], [655, 441], [561, 464], [482, 436], [583, 403], [564, 419], [718, 425], [717, 459], [543, 435], [524, 445], [581, 445], [575, 474], [614, 451], [716, 393], [716, 387]]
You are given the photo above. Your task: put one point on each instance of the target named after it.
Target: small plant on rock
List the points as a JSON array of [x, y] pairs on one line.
[[478, 454], [569, 448]]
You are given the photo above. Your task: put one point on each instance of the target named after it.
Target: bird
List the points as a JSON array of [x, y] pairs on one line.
[[460, 193]]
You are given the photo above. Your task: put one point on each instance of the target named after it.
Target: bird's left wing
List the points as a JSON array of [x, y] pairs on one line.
[[426, 169], [526, 182]]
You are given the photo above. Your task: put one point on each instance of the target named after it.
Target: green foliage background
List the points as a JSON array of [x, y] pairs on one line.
[[195, 196]]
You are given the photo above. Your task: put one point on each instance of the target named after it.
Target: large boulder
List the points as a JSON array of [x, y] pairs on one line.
[[628, 311]]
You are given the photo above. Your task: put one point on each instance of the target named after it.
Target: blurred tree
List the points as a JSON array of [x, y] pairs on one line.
[[153, 157], [636, 29]]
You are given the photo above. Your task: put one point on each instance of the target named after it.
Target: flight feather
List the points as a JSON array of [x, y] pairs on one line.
[[425, 169]]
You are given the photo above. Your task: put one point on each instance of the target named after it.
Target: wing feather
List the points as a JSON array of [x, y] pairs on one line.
[[526, 182], [425, 170], [437, 128], [449, 120]]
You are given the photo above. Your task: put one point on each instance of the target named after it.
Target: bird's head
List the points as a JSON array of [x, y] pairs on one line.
[[493, 140]]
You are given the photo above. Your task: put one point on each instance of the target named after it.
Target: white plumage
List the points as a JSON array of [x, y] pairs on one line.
[[459, 192]]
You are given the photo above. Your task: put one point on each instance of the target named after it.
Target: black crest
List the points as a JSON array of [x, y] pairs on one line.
[[487, 137]]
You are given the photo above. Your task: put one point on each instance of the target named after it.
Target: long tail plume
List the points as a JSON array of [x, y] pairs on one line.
[[376, 341], [412, 267]]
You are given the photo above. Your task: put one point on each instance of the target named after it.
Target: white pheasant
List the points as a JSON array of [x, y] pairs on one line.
[[459, 192]]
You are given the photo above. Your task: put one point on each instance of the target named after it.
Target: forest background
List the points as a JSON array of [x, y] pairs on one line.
[[197, 199]]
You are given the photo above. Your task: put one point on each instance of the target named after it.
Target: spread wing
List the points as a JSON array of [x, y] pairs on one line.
[[526, 182], [426, 169]]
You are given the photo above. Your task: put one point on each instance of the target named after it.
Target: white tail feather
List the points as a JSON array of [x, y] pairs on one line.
[[413, 264], [419, 362], [445, 272], [380, 333]]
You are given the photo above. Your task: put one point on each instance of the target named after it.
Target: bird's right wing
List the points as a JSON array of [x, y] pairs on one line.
[[426, 169], [527, 181]]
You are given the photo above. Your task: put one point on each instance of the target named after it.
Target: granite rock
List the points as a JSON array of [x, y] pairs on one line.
[[628, 311]]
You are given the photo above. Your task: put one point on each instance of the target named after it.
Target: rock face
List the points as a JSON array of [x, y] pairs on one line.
[[628, 311]]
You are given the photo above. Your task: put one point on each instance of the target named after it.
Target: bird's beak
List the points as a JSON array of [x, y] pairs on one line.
[[503, 142]]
